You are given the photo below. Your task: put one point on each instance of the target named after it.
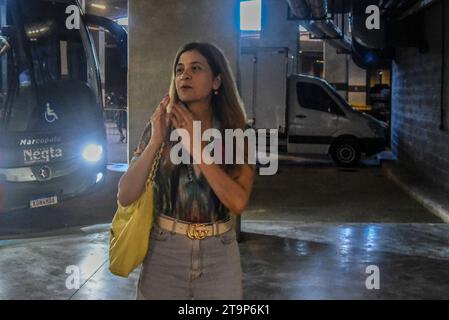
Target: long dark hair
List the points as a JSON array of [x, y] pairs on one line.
[[227, 105]]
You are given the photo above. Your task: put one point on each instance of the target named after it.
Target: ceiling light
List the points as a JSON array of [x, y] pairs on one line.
[[99, 6]]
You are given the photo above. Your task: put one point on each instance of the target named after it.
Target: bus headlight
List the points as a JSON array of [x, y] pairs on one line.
[[93, 152]]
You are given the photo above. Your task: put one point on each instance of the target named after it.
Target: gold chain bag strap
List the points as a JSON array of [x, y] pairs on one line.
[[131, 227]]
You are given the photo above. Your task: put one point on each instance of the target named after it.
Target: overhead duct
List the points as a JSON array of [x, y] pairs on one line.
[[373, 42], [375, 47], [371, 38], [299, 8], [314, 13], [319, 10]]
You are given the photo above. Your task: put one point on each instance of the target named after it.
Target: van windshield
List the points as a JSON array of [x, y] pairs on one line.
[[340, 99]]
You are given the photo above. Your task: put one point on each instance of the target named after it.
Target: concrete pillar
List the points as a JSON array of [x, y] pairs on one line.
[[345, 75], [336, 69], [157, 28], [357, 84]]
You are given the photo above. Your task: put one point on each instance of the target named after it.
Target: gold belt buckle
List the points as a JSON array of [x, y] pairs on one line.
[[194, 234]]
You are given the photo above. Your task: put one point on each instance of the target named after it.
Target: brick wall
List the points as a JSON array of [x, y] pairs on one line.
[[417, 139]]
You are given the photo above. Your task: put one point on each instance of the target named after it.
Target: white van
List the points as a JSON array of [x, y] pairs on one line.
[[309, 114], [320, 121]]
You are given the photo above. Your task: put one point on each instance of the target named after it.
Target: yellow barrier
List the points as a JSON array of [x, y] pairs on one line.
[[362, 107]]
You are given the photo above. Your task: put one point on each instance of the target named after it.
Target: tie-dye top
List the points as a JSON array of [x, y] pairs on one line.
[[179, 192]]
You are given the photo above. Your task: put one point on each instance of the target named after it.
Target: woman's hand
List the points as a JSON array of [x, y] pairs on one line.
[[233, 191], [159, 122]]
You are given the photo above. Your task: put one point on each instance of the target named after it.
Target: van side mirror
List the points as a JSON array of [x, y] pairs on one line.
[[331, 108], [335, 109]]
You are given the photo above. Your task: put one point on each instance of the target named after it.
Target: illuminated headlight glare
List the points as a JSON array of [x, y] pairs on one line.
[[99, 177], [92, 152]]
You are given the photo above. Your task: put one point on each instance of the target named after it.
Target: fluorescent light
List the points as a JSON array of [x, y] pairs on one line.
[[99, 6], [251, 15]]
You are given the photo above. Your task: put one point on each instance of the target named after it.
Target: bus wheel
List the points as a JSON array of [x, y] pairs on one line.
[[346, 152]]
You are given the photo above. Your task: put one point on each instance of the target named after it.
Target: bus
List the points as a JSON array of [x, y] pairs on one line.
[[52, 135]]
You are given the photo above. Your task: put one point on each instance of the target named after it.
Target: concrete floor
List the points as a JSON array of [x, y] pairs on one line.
[[279, 261], [304, 190], [310, 191], [309, 233], [326, 261]]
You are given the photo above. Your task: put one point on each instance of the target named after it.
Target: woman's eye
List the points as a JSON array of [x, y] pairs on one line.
[[196, 68], [178, 71]]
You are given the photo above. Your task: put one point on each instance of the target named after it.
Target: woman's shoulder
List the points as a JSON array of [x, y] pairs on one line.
[[144, 139]]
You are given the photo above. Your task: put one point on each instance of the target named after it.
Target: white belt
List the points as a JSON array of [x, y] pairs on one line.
[[194, 231]]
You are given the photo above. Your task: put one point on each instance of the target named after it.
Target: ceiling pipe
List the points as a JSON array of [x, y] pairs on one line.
[[314, 14], [319, 10], [299, 8], [417, 7]]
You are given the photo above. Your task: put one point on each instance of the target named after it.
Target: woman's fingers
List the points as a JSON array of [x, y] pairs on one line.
[[183, 113], [178, 118], [176, 121], [164, 103], [182, 122], [161, 108], [176, 113]]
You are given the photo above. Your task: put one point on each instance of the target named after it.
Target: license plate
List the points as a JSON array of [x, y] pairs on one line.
[[42, 202]]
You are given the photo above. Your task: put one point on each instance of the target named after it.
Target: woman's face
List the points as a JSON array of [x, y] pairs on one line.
[[194, 78]]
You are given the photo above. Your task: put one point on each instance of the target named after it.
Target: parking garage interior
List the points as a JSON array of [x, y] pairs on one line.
[[313, 229]]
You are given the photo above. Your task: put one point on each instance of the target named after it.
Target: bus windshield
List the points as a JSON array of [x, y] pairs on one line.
[[48, 73]]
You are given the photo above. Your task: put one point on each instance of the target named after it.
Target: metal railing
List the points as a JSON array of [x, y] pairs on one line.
[[116, 122]]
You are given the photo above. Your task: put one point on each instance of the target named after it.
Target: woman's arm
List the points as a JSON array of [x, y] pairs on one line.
[[235, 192], [132, 183]]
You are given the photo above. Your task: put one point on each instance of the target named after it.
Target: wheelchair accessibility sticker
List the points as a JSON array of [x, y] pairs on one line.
[[50, 114]]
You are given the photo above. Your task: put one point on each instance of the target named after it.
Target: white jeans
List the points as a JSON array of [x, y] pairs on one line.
[[177, 267]]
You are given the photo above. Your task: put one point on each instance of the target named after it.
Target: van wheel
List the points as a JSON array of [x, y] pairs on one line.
[[346, 152]]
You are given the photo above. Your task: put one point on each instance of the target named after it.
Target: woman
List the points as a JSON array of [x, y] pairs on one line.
[[193, 249]]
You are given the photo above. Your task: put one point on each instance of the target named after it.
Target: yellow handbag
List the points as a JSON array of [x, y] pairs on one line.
[[130, 229]]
